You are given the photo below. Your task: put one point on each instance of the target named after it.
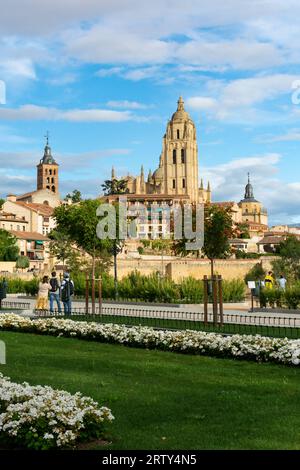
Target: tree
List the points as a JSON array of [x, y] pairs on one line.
[[242, 230], [22, 262], [114, 186], [76, 196], [2, 201], [60, 246], [8, 246], [79, 223], [218, 230], [289, 262], [256, 273]]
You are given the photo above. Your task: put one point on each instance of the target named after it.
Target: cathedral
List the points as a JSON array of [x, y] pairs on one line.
[[177, 174], [176, 180]]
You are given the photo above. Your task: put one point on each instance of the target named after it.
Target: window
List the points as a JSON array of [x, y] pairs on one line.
[[183, 182], [50, 172], [174, 184], [52, 180], [18, 228], [174, 156], [54, 172], [24, 228], [182, 155], [48, 180], [53, 189], [178, 134], [46, 172]]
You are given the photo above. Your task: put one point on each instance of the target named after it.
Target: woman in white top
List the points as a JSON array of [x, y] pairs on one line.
[[42, 298]]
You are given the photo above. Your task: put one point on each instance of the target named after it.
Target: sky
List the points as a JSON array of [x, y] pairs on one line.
[[104, 76]]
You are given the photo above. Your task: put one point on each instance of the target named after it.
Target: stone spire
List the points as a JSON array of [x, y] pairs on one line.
[[249, 189], [149, 176], [201, 184], [113, 175], [142, 173], [208, 187], [180, 103], [47, 158]]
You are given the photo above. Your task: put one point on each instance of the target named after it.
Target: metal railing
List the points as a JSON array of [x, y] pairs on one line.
[[266, 325], [15, 305]]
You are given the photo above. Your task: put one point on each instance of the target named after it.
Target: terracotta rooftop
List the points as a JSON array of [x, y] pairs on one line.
[[29, 235], [43, 209]]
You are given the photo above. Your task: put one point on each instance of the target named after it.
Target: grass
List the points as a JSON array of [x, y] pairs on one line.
[[164, 400]]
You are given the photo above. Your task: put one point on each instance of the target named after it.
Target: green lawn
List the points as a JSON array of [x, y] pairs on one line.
[[165, 400]]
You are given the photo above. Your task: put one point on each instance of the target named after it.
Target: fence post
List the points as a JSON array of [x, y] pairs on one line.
[[100, 295], [205, 299], [215, 299], [87, 286], [93, 295], [220, 285]]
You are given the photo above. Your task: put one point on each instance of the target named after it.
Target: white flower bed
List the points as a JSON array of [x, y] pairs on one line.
[[259, 348], [40, 417]]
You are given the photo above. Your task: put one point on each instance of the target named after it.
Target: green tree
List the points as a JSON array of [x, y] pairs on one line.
[[8, 246], [289, 262], [256, 273], [242, 230], [2, 201], [114, 186], [76, 196], [79, 223], [60, 246], [218, 229], [22, 262]]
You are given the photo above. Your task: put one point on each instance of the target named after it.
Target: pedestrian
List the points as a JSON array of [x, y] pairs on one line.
[[54, 293], [269, 280], [282, 282], [67, 291], [3, 290], [42, 304]]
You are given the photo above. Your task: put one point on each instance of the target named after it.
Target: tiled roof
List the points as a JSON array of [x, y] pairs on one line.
[[29, 235], [40, 208]]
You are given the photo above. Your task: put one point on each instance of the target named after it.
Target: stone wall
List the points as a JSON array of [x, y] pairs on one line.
[[229, 269]]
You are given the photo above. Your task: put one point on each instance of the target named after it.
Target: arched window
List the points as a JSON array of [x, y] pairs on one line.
[[183, 183], [48, 180], [178, 134], [174, 156], [52, 180], [53, 189], [46, 172], [46, 203], [54, 172], [50, 172], [47, 187], [182, 155]]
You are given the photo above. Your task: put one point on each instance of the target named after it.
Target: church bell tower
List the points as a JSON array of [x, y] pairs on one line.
[[47, 171]]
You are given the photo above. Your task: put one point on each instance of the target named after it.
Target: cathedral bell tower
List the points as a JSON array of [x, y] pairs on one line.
[[47, 171], [179, 158]]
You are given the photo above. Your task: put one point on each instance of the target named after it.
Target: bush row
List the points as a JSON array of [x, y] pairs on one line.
[[279, 298], [150, 288]]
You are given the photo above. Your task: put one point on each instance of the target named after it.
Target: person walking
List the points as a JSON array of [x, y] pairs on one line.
[[3, 290], [42, 304], [54, 293], [282, 282], [269, 280], [67, 291]]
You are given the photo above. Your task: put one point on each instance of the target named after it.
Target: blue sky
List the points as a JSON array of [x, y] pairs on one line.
[[103, 77]]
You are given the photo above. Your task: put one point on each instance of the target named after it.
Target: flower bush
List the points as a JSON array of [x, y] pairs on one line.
[[259, 348], [39, 417]]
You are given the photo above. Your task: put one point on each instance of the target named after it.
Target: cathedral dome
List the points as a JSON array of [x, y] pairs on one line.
[[180, 114], [158, 174]]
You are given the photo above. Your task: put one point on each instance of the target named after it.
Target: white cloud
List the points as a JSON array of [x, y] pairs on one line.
[[228, 181], [126, 104], [239, 99], [33, 112]]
